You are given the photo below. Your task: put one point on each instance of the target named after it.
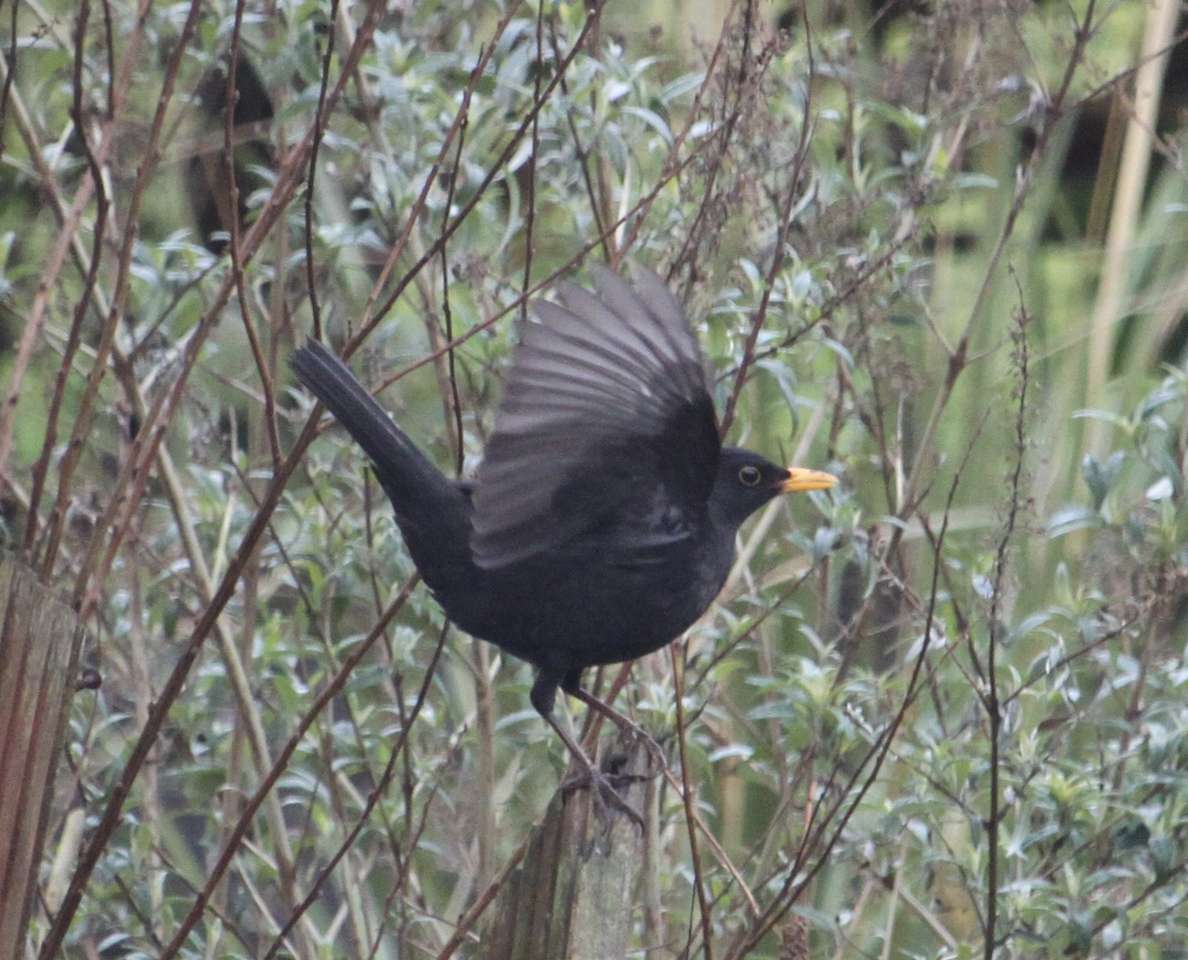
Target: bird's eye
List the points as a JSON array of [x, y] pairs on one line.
[[749, 476]]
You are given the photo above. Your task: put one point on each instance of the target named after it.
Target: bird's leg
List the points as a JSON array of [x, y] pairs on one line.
[[543, 696], [604, 791], [625, 724]]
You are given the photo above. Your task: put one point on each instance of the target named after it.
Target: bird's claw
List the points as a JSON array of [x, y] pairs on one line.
[[605, 793]]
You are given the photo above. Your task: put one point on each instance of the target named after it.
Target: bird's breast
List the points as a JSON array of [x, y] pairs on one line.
[[584, 608]]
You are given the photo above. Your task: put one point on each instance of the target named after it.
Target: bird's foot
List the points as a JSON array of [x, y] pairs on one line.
[[604, 790], [657, 764], [602, 784]]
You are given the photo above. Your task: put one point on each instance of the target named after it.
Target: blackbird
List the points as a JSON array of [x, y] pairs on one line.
[[602, 520]]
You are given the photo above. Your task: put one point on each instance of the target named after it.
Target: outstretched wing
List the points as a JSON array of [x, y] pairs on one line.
[[606, 427]]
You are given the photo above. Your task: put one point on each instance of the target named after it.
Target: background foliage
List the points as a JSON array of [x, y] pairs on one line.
[[941, 711]]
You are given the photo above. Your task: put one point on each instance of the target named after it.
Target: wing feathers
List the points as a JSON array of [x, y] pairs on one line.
[[592, 338], [606, 402]]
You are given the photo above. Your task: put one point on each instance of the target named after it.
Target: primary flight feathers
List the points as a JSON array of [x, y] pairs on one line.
[[605, 391]]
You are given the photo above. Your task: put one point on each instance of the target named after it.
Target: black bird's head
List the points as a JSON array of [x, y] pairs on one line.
[[746, 481]]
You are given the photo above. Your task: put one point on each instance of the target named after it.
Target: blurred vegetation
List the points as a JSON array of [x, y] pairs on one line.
[[941, 711]]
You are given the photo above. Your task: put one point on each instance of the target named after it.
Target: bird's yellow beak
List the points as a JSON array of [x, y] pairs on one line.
[[800, 480]]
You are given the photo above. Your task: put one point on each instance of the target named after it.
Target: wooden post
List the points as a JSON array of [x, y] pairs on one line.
[[39, 643], [573, 896]]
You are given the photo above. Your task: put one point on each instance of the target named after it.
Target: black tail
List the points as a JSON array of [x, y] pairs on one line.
[[398, 462], [431, 510]]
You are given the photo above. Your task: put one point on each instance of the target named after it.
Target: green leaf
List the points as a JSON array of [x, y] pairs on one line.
[[1070, 519], [1100, 477], [1103, 416]]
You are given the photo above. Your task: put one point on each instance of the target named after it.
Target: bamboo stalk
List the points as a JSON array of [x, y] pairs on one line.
[[1127, 206]]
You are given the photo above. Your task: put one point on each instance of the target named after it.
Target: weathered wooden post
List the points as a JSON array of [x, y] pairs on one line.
[[572, 897], [39, 642]]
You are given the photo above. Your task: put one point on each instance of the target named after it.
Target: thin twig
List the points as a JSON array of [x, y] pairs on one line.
[[312, 177], [124, 503], [377, 791], [530, 220], [783, 224], [496, 169], [41, 467], [1053, 113], [455, 401], [678, 674], [798, 878], [329, 692], [249, 327], [87, 404], [992, 702]]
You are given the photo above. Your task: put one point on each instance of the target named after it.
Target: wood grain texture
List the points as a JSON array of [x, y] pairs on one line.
[[573, 898], [39, 644]]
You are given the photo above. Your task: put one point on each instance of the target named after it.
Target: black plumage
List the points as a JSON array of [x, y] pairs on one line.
[[602, 520]]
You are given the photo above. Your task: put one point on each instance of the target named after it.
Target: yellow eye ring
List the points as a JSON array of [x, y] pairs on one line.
[[749, 475]]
